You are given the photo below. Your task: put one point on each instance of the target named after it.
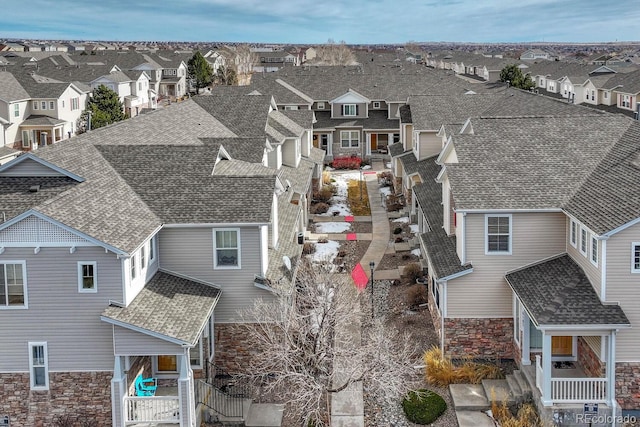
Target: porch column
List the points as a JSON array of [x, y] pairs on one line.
[[390, 140], [525, 353], [546, 369], [367, 148], [611, 372], [118, 391], [185, 391], [330, 144]]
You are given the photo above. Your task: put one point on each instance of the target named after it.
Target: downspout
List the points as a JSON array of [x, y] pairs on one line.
[[463, 249], [603, 267]]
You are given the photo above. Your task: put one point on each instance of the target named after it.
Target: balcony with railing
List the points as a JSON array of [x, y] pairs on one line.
[[163, 408]]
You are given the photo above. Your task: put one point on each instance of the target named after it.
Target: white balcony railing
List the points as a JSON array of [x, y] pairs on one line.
[[573, 390], [539, 372], [165, 409], [579, 390]]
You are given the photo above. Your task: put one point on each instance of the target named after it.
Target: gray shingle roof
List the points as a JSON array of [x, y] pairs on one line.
[[441, 249], [529, 163], [557, 292], [377, 120], [42, 121], [245, 115], [405, 114], [171, 306], [609, 196], [10, 89], [15, 197], [395, 149]]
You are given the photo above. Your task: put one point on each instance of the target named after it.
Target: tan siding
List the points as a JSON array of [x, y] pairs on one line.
[[593, 273], [485, 293], [30, 168], [189, 251], [430, 145], [67, 320], [624, 287], [130, 343]]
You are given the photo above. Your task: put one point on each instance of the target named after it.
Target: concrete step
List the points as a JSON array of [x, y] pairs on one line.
[[514, 387], [264, 415], [498, 390], [474, 419], [524, 385], [469, 397]]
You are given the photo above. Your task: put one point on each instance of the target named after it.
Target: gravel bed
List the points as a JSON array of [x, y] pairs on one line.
[[354, 251], [390, 302], [362, 227], [392, 261]]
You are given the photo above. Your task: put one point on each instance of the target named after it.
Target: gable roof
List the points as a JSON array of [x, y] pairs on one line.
[[10, 89]]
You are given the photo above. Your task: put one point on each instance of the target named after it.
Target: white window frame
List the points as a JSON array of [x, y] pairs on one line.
[[486, 234], [517, 320], [435, 293], [3, 282], [290, 107], [32, 366], [133, 267], [36, 106], [144, 260], [573, 234], [16, 110], [635, 245], [198, 348], [347, 110], [320, 106], [376, 105], [594, 250], [43, 105], [606, 95], [152, 250], [349, 139], [81, 287], [52, 105], [27, 143], [215, 250], [584, 241]]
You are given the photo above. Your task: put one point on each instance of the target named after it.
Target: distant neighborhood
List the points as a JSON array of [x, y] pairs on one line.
[[127, 252]]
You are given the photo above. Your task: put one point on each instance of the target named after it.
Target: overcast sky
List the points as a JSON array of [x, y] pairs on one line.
[[315, 21]]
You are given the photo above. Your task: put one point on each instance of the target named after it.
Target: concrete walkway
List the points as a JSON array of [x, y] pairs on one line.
[[347, 406]]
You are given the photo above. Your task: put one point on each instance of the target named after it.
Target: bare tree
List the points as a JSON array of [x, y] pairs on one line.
[[311, 346], [334, 53]]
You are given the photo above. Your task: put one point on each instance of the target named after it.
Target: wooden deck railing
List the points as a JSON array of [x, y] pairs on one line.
[[165, 409]]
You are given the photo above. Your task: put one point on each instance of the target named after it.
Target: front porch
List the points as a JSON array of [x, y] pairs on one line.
[[161, 409], [40, 131]]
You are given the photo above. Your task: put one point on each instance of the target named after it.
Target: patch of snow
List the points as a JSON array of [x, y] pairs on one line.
[[332, 227], [385, 190], [388, 165], [326, 252], [415, 252], [339, 200], [401, 219], [414, 228], [365, 167], [329, 168]]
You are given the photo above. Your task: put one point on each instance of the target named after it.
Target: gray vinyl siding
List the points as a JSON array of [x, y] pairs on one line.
[[131, 343], [429, 145], [624, 287], [67, 320], [584, 261], [336, 110], [30, 167], [189, 251], [485, 293]]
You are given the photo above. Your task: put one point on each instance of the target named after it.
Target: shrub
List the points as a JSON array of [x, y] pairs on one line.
[[308, 248], [326, 178], [385, 179], [412, 272], [397, 230], [319, 208], [526, 417], [324, 194], [346, 162], [423, 406], [416, 295], [441, 371]]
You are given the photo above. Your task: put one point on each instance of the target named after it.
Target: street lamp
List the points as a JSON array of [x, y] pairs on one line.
[[361, 183], [372, 265]]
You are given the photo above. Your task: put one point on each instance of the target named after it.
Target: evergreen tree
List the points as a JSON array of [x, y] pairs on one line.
[[200, 72], [105, 107], [513, 75]]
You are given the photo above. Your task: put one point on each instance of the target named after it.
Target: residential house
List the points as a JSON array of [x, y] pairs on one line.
[[534, 54], [528, 258], [129, 250]]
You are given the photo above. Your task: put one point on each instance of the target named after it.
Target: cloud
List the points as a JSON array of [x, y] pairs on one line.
[[310, 21]]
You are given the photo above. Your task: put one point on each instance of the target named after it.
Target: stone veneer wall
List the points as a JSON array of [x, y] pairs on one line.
[[628, 384], [589, 360], [234, 351], [482, 338], [80, 395]]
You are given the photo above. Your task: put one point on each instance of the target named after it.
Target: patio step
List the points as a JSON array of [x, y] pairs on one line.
[[469, 397], [514, 387], [499, 391], [527, 395], [264, 415]]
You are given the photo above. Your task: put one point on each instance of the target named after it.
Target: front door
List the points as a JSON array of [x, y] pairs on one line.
[[561, 346], [374, 142], [167, 363]]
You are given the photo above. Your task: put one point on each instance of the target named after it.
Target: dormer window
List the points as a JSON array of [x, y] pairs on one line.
[[349, 110], [320, 105], [376, 105]]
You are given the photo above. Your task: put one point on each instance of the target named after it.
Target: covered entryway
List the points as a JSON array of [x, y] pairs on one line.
[[555, 307]]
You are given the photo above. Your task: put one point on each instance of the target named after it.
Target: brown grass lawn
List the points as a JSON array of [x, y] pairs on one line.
[[358, 207]]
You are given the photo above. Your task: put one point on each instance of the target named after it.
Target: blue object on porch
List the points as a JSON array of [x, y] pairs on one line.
[[146, 386]]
